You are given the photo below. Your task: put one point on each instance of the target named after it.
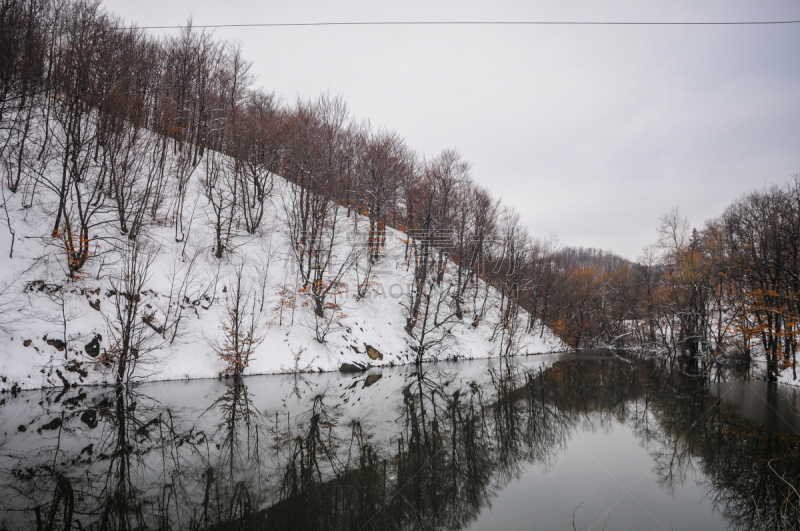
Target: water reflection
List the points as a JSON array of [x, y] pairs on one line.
[[401, 450]]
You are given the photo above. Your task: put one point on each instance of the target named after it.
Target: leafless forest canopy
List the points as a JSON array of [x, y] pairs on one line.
[[91, 113]]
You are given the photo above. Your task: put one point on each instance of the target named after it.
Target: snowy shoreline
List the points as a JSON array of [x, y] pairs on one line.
[[756, 365], [365, 370]]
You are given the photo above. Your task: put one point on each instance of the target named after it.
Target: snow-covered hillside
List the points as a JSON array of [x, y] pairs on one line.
[[56, 331]]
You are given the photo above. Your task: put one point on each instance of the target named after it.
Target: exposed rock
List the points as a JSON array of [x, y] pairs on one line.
[[89, 418], [60, 345], [41, 286], [53, 424], [92, 348], [354, 367], [148, 320], [373, 353], [26, 343]]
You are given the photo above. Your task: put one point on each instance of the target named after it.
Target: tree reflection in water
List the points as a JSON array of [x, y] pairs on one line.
[[449, 442]]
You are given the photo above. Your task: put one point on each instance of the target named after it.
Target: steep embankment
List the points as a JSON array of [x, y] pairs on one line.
[[56, 331]]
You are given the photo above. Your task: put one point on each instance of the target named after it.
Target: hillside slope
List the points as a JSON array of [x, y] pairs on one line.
[[58, 331]]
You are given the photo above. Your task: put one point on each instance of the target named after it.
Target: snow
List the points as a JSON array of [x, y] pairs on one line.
[[38, 303]]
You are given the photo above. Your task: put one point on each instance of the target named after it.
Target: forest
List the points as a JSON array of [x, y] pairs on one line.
[[105, 124]]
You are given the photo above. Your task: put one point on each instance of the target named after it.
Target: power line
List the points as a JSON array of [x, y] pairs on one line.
[[452, 23], [468, 23]]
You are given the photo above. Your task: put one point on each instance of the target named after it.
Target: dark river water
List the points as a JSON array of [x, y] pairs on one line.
[[593, 440]]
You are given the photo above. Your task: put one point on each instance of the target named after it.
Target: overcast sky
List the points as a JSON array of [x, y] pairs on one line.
[[591, 132]]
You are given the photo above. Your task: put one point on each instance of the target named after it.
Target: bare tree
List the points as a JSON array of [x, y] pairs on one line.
[[257, 151], [23, 45], [132, 337], [318, 162], [221, 190], [434, 204], [242, 326], [509, 276], [382, 161], [474, 231]]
